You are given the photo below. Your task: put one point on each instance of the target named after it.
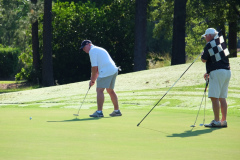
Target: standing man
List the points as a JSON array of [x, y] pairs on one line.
[[104, 71], [215, 55]]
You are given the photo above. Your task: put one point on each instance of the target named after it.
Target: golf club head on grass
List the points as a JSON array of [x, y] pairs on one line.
[[193, 126], [201, 124], [82, 102]]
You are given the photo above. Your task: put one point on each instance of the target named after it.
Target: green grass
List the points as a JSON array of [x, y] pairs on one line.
[[54, 133], [156, 61], [9, 82], [165, 134], [21, 88], [18, 89]]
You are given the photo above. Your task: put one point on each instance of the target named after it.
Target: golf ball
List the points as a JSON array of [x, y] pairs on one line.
[[30, 118]]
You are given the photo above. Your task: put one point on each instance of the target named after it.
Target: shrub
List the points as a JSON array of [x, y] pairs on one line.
[[9, 64]]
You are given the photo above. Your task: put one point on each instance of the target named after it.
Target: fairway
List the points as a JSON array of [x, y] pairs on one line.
[[54, 133]]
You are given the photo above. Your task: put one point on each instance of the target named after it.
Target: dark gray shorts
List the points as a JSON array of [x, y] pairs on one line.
[[107, 82]]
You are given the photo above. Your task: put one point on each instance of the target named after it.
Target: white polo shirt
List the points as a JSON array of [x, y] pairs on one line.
[[99, 57]]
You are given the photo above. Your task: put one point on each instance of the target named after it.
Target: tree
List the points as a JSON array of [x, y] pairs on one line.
[[13, 23], [232, 40], [74, 22], [140, 45], [223, 16], [160, 16], [178, 41], [200, 15], [35, 44], [233, 16], [47, 66]]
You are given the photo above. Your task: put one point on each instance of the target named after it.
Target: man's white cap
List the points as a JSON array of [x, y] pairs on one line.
[[210, 31]]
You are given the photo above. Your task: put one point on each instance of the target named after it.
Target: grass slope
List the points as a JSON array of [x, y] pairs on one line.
[[54, 133]]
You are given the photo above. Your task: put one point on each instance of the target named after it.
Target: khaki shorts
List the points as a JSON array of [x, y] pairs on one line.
[[218, 83], [107, 82]]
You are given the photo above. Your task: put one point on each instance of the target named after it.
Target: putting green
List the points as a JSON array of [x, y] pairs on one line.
[[166, 134]]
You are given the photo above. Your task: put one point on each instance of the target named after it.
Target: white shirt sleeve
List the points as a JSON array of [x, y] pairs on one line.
[[93, 58]]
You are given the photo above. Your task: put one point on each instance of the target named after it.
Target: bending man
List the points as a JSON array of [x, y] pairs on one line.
[[104, 71]]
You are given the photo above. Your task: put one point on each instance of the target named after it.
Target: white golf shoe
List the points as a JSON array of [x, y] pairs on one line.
[[224, 123], [213, 124]]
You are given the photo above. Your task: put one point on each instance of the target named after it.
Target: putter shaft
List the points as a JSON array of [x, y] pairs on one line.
[[204, 94], [82, 102]]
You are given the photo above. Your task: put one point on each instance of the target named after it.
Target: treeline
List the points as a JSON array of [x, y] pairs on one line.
[[128, 29]]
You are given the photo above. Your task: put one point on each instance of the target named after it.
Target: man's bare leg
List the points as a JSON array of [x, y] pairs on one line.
[[100, 98], [215, 106], [224, 106], [114, 98]]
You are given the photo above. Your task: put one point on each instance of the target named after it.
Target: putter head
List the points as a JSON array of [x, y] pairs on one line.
[[201, 124], [192, 126], [76, 114]]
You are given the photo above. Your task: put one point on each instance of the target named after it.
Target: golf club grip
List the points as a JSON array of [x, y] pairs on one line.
[[207, 82]]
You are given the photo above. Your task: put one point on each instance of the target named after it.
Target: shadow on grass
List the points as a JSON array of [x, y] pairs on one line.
[[189, 133], [77, 119], [192, 133], [153, 130]]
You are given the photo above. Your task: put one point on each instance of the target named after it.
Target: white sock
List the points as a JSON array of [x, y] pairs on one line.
[[99, 111], [116, 110]]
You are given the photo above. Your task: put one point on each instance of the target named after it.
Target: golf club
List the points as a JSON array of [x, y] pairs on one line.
[[82, 102], [204, 94], [168, 91], [207, 81]]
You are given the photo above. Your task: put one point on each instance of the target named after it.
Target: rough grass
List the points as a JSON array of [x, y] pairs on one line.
[[137, 89]]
